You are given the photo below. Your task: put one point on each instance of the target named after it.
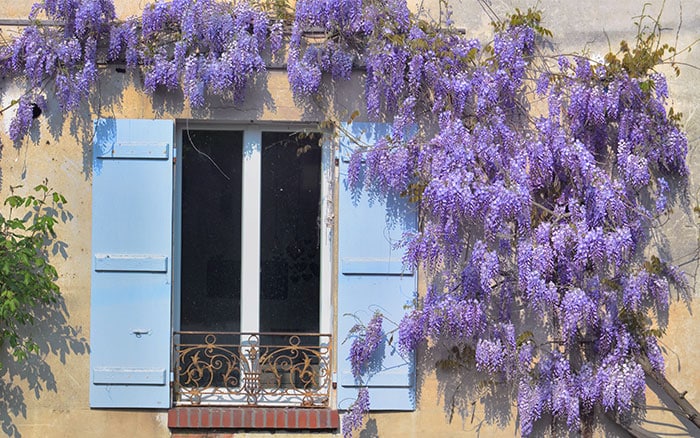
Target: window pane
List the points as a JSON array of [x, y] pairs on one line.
[[289, 241], [211, 230]]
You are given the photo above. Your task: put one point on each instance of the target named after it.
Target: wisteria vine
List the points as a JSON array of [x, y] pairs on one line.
[[534, 226], [537, 182], [366, 342]]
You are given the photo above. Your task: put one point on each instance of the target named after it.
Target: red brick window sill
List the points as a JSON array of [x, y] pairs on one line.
[[209, 417]]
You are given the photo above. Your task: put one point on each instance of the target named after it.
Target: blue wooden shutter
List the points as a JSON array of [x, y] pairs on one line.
[[372, 277], [130, 329]]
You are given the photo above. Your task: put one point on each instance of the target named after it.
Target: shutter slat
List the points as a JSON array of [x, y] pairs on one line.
[[147, 151], [369, 266], [128, 376], [124, 262]]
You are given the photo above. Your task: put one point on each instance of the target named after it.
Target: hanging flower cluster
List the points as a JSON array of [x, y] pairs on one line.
[[63, 58], [201, 47], [535, 218], [355, 416], [355, 29], [366, 342]]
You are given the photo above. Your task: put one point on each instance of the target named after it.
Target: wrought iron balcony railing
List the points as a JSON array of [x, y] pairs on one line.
[[256, 369]]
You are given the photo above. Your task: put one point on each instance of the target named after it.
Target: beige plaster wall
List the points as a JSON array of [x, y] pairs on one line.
[[48, 397]]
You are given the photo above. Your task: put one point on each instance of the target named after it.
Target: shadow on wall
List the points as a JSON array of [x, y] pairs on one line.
[[469, 396], [33, 376], [370, 430]]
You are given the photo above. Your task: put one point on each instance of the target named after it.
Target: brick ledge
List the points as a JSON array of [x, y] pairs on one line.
[[213, 417]]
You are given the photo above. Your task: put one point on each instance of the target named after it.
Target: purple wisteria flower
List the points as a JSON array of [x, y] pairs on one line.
[[354, 417], [365, 344], [552, 219], [60, 60], [22, 121]]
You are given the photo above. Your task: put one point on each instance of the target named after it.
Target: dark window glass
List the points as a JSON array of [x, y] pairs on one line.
[[211, 230], [289, 240]]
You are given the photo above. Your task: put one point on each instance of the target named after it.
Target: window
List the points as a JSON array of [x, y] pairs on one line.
[[250, 268], [281, 231], [166, 262]]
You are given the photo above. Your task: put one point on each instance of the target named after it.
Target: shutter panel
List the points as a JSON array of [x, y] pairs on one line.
[[130, 329], [372, 277]]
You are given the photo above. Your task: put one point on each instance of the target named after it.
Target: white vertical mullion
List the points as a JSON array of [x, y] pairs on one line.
[[176, 264], [327, 211], [177, 231], [250, 231]]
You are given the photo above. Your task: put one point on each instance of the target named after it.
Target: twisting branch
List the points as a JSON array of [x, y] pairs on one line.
[[678, 398]]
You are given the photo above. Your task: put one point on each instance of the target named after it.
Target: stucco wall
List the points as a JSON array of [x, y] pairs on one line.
[[48, 397]]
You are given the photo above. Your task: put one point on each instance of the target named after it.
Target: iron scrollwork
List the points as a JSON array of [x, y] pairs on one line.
[[255, 369]]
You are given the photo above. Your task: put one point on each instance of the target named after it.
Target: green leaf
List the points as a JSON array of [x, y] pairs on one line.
[[354, 114], [14, 201], [524, 337]]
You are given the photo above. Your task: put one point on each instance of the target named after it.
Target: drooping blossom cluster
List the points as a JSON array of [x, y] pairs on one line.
[[366, 341], [217, 47], [63, 58], [356, 30], [200, 47], [355, 416], [26, 109], [535, 220]]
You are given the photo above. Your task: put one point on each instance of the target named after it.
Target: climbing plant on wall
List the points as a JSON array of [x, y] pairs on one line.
[[27, 279], [538, 177]]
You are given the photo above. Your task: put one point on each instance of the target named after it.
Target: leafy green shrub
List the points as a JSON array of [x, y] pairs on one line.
[[27, 279]]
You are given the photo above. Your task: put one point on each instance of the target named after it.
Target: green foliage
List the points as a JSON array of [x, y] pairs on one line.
[[524, 338], [27, 279], [458, 357], [646, 53], [531, 18], [278, 9]]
